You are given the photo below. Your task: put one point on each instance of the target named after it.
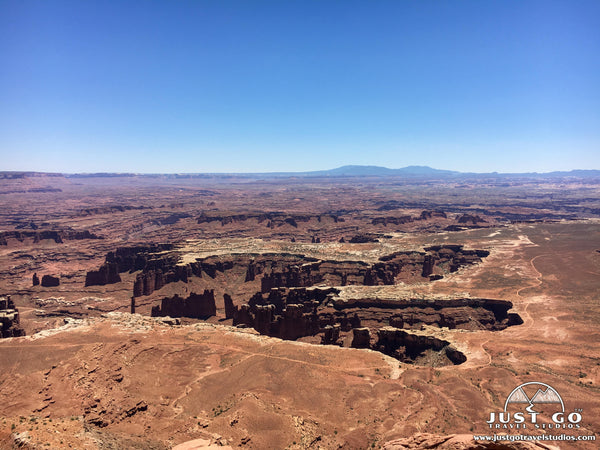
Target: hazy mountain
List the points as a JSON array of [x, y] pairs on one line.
[[344, 171], [362, 171]]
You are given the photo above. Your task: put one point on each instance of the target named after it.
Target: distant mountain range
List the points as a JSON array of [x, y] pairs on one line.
[[428, 172], [378, 171], [340, 172]]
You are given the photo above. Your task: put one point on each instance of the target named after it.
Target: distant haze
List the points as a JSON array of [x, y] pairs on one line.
[[292, 86], [411, 172]]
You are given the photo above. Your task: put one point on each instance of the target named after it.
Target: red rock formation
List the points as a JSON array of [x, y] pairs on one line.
[[465, 313], [285, 313], [361, 338], [108, 210], [362, 239], [230, 308], [401, 220], [263, 318], [138, 287], [425, 215], [292, 276], [292, 313], [341, 273], [153, 279], [107, 274], [460, 442], [331, 335], [198, 306], [9, 319], [50, 281], [470, 219], [408, 347], [392, 220], [58, 236], [295, 323], [270, 219], [285, 270], [135, 258]]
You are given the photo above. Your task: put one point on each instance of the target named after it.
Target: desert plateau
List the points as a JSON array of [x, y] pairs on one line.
[[313, 311]]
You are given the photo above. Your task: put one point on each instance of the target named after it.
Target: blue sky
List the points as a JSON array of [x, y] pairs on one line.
[[258, 86]]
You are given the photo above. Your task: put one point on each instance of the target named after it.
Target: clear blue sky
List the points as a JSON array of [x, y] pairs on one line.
[[255, 86]]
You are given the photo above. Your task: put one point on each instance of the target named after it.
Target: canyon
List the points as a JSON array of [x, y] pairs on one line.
[[290, 312]]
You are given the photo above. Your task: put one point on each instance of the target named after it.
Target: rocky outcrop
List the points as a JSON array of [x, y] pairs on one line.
[[470, 219], [428, 265], [269, 219], [131, 259], [332, 273], [284, 313], [293, 313], [50, 281], [460, 442], [361, 338], [154, 279], [281, 297], [426, 215], [431, 263], [9, 319], [165, 269], [148, 282], [229, 306], [289, 270], [466, 221], [159, 270], [295, 275], [409, 347], [171, 219], [331, 335], [297, 321], [197, 306], [250, 272], [108, 210], [58, 236], [108, 273], [460, 313], [385, 221], [362, 239], [401, 220]]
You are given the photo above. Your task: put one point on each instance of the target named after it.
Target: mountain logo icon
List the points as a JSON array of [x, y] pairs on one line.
[[544, 394], [518, 396]]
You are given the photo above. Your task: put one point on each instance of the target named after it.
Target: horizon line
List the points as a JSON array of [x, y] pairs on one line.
[[317, 171]]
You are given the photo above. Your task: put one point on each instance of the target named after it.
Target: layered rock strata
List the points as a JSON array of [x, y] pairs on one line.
[[269, 219], [9, 319], [197, 306], [293, 313], [108, 273], [159, 267], [58, 236], [50, 281]]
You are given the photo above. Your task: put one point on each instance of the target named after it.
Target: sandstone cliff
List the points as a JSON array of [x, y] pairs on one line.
[[197, 306], [9, 319]]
